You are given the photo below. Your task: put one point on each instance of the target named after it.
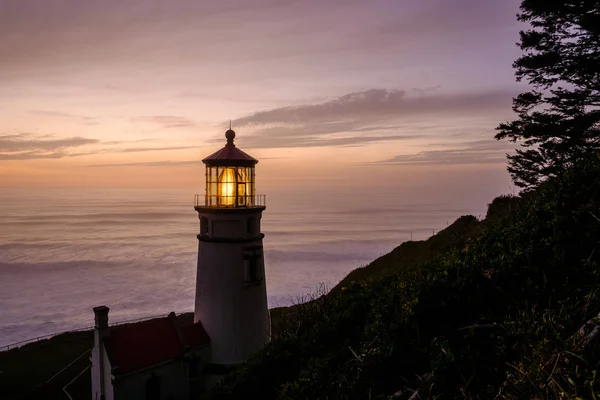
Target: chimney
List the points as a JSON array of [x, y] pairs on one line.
[[99, 369], [101, 317]]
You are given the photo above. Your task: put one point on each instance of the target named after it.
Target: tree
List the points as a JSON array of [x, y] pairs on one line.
[[559, 118]]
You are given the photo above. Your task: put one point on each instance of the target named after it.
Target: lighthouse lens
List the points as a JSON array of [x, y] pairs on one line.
[[226, 187], [229, 186]]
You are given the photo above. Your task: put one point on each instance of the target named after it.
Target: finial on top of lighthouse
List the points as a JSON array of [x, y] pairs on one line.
[[230, 135]]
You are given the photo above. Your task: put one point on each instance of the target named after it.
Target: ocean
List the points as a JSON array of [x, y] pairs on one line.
[[64, 251]]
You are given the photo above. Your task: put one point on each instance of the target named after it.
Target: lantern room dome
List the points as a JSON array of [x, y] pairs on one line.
[[230, 155]]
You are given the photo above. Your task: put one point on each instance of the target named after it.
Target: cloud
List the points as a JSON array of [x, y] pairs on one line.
[[140, 149], [26, 146], [365, 117], [36, 155], [167, 121], [127, 141], [24, 142], [82, 119], [275, 140], [57, 114], [488, 151], [118, 52], [425, 90], [18, 136], [118, 27], [375, 104], [151, 164], [164, 163]]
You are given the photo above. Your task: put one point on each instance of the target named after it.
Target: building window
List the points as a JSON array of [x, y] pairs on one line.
[[153, 388], [252, 269], [252, 265], [204, 226]]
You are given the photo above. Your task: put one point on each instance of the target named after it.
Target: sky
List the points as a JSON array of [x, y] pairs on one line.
[[134, 93]]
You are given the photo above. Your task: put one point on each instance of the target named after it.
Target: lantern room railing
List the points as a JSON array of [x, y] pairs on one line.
[[216, 201]]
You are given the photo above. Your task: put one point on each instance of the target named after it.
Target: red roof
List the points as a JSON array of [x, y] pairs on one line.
[[230, 155], [140, 345], [195, 335]]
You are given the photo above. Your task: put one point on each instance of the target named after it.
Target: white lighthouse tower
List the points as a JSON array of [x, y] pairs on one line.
[[231, 296]]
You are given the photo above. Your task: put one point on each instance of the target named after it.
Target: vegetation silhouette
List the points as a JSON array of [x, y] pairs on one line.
[[559, 119]]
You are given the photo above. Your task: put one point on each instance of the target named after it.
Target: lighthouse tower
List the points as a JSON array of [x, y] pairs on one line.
[[231, 296]]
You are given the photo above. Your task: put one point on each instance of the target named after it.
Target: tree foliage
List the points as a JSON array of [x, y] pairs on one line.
[[559, 119]]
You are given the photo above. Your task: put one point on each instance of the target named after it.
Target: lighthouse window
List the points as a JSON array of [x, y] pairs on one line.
[[252, 265], [230, 186], [253, 269]]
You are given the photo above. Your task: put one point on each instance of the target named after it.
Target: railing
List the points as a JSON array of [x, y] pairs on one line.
[[214, 201], [87, 328]]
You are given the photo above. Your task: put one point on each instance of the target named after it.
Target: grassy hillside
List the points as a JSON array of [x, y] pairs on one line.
[[406, 255], [413, 252], [42, 369], [498, 318]]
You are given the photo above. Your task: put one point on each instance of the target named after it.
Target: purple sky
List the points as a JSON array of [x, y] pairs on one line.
[[91, 89]]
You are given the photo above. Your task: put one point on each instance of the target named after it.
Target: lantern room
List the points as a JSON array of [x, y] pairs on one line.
[[230, 178]]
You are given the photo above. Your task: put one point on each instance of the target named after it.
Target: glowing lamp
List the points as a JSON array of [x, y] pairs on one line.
[[230, 178]]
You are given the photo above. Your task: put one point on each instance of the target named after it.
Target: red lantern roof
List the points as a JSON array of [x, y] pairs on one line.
[[230, 155]]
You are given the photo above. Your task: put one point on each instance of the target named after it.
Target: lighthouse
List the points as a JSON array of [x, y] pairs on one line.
[[231, 296]]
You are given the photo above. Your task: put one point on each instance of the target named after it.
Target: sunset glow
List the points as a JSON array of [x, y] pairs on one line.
[[134, 93]]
